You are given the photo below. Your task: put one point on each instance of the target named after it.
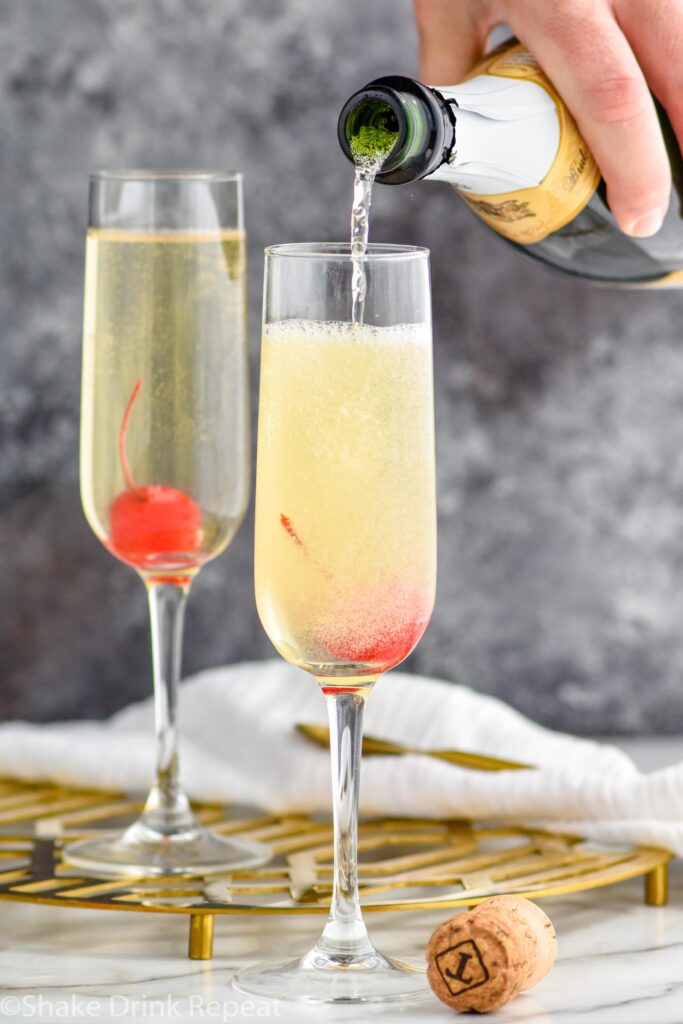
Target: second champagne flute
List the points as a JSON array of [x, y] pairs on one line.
[[345, 539], [165, 448]]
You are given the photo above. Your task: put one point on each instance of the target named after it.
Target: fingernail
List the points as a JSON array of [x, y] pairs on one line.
[[647, 224]]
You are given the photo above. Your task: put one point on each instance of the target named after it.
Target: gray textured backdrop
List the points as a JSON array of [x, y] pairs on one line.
[[560, 408]]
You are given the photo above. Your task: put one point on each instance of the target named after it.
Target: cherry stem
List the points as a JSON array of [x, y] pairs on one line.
[[123, 455]]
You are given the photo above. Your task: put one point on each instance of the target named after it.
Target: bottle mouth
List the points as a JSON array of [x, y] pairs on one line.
[[404, 120], [372, 126]]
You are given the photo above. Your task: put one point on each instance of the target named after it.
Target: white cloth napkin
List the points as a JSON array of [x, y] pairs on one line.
[[238, 743]]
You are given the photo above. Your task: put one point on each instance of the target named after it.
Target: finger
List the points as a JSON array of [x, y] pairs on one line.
[[587, 57], [657, 42], [452, 36]]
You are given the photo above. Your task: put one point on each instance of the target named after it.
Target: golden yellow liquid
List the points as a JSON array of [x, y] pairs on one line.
[[165, 336], [345, 494]]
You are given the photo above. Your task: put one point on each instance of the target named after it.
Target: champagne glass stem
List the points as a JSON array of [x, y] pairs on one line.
[[166, 839], [167, 809], [345, 936]]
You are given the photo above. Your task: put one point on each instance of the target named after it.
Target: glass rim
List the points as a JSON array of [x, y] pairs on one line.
[[141, 174], [342, 250]]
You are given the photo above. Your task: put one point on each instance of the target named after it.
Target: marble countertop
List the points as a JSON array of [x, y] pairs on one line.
[[619, 960]]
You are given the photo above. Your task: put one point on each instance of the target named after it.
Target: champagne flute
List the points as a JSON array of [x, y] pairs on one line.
[[165, 448], [345, 563]]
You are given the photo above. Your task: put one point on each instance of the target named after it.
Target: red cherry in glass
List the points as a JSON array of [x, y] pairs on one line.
[[392, 619], [153, 520]]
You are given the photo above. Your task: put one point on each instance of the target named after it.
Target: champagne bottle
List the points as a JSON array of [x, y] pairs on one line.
[[506, 141]]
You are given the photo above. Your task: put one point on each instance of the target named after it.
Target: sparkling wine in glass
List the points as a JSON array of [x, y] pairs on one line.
[[345, 564], [165, 448]]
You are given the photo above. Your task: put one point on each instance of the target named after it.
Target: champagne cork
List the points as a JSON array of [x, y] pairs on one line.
[[482, 959]]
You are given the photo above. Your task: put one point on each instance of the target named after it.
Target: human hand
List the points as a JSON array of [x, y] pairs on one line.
[[604, 57]]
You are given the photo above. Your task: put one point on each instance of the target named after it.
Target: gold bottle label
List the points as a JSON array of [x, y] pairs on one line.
[[672, 280], [529, 215]]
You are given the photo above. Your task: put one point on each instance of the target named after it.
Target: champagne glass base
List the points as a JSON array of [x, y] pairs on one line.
[[321, 978], [141, 851]]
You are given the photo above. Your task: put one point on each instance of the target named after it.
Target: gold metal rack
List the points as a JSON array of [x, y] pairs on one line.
[[405, 864]]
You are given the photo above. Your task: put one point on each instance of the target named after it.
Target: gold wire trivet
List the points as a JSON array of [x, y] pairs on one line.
[[405, 864]]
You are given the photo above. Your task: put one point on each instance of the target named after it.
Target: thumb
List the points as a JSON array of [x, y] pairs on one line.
[[452, 36]]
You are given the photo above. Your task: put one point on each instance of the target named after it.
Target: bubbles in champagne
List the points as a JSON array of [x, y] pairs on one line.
[[345, 525], [164, 451]]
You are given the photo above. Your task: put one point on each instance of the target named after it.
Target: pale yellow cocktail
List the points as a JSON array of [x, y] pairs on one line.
[[345, 503]]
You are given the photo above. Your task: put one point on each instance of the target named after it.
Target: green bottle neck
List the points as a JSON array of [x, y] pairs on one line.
[[400, 124]]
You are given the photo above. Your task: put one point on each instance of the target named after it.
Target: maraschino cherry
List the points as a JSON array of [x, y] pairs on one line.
[[393, 618], [146, 522]]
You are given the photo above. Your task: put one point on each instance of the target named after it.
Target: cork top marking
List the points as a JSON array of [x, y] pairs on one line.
[[462, 967]]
